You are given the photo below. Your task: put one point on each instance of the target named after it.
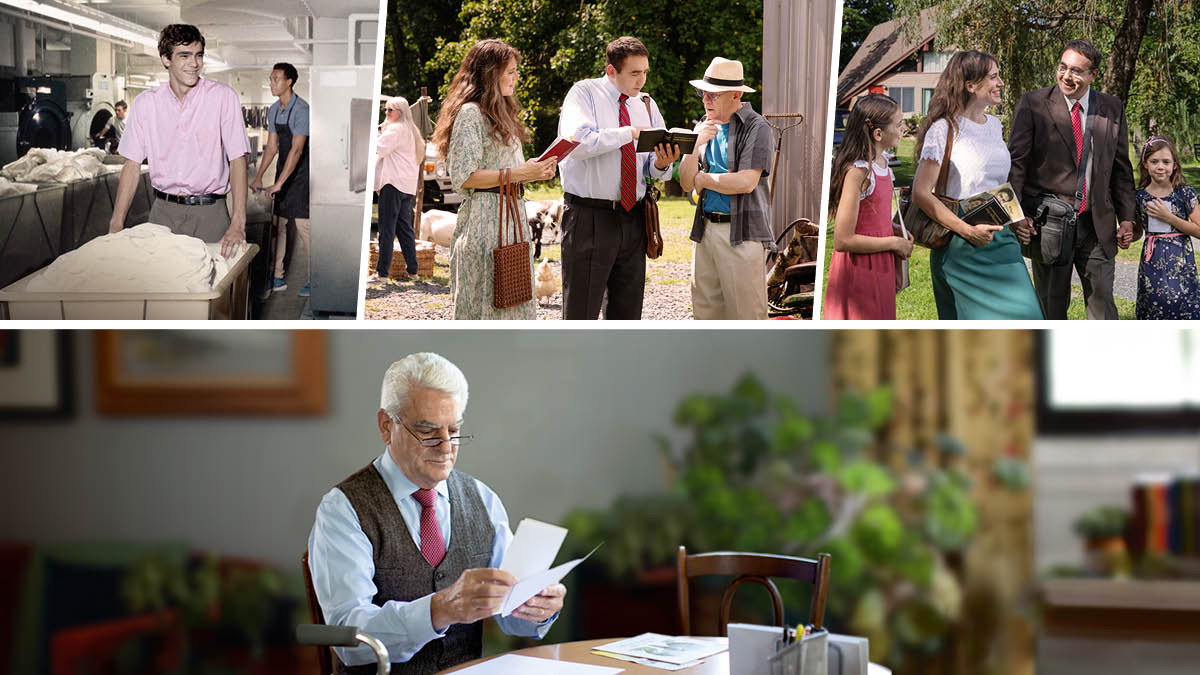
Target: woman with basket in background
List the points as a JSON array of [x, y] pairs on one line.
[[978, 271], [480, 135]]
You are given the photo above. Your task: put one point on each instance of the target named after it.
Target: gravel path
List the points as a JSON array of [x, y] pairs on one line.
[[1125, 277], [668, 293]]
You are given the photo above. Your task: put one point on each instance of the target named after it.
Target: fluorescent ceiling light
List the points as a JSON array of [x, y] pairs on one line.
[[85, 22]]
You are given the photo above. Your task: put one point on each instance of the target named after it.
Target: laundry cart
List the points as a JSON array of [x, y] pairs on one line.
[[88, 207], [30, 231], [229, 299]]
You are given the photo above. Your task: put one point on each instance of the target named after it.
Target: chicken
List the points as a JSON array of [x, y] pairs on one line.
[[438, 227], [546, 284]]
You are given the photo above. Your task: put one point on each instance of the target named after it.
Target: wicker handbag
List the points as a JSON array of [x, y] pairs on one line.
[[512, 281], [654, 240], [925, 230]]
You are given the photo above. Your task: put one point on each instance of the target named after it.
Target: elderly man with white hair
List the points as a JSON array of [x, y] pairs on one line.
[[732, 225], [407, 549], [399, 154]]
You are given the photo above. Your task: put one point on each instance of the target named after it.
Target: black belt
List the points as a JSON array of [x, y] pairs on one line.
[[189, 200], [718, 217], [496, 190], [606, 204]]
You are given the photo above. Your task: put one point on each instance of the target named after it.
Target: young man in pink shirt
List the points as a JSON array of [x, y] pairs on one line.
[[191, 131]]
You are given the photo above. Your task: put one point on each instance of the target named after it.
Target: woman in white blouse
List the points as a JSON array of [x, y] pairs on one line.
[[980, 274]]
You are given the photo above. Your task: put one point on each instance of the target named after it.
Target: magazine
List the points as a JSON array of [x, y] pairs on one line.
[[669, 648], [987, 202]]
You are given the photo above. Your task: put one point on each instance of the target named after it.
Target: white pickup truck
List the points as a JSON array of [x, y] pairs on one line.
[[439, 193]]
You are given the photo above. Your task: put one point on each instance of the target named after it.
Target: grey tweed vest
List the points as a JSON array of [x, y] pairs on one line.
[[402, 573]]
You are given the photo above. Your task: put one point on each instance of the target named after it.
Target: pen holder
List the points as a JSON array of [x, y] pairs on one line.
[[806, 656]]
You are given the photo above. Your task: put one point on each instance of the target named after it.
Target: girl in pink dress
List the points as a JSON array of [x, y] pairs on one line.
[[862, 274]]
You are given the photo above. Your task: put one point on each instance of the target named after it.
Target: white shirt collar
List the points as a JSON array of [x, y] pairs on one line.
[[610, 89], [1083, 102], [398, 483]]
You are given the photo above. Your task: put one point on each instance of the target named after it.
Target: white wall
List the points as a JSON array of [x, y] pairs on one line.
[[563, 419], [1073, 474]]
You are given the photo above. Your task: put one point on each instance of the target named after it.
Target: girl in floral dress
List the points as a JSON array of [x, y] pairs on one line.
[[1168, 285]]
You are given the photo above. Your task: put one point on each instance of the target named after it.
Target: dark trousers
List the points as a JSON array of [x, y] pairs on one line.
[[603, 250], [396, 222], [1096, 271]]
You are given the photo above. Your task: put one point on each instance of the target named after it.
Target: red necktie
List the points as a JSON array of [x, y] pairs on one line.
[[628, 169], [1077, 125], [433, 547]]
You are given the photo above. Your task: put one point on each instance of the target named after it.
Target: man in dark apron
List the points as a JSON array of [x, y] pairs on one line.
[[287, 121]]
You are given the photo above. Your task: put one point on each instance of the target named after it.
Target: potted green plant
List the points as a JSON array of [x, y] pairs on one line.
[[212, 617], [758, 474], [1103, 533]]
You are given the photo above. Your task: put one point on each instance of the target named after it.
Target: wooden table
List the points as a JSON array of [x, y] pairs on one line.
[[580, 652]]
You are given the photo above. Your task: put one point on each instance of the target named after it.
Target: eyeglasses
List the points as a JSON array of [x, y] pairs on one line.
[[711, 96], [436, 440], [1077, 72]]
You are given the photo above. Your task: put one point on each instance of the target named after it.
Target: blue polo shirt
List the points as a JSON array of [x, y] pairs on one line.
[[717, 156], [297, 123]]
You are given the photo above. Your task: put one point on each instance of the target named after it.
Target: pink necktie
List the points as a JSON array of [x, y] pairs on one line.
[[628, 173], [1077, 125], [433, 547]]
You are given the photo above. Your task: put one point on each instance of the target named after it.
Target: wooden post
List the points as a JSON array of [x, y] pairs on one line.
[[420, 197]]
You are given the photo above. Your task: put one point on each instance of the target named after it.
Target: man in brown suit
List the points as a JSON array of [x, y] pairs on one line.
[[1045, 161]]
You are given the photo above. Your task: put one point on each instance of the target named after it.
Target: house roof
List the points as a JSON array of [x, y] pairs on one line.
[[885, 48]]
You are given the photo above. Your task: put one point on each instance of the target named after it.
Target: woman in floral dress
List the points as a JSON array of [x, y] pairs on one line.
[[479, 132]]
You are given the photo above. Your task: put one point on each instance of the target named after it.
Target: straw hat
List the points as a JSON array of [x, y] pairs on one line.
[[722, 75]]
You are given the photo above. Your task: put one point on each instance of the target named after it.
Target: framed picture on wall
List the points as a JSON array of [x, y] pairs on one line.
[[35, 374], [211, 372]]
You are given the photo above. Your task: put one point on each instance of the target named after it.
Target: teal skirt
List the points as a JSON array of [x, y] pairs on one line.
[[988, 282]]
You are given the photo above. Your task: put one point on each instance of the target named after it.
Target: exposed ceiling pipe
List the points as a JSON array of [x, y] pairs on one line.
[[305, 23], [66, 28]]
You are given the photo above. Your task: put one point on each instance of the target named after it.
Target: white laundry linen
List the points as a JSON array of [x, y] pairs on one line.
[[9, 188], [46, 165], [147, 258]]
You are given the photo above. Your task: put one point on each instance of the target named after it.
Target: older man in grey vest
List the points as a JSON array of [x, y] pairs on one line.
[[407, 547]]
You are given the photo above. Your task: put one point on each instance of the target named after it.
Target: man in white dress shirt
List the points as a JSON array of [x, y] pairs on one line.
[[407, 548], [604, 182]]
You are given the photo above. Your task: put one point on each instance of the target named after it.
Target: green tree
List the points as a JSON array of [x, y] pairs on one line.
[[411, 41], [1166, 90], [858, 18], [1027, 37], [561, 43]]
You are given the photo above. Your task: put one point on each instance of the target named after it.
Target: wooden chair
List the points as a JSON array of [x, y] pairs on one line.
[[325, 654], [756, 567]]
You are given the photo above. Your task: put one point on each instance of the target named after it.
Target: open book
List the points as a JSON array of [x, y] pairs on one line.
[[998, 206], [684, 138]]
